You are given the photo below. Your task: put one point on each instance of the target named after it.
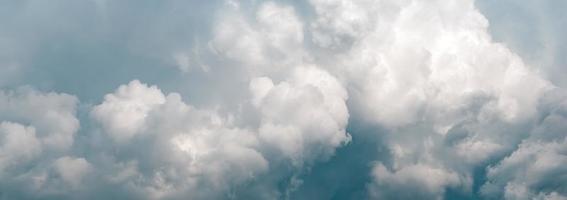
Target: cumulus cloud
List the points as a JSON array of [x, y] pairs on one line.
[[123, 114], [37, 131], [71, 170], [423, 181], [269, 44], [19, 144], [207, 152], [282, 87], [433, 63], [304, 117], [293, 115], [429, 72], [52, 113], [204, 149], [535, 170]]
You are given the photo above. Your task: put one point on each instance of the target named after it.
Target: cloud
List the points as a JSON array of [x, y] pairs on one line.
[[535, 170], [71, 170], [396, 184], [205, 150], [37, 131], [208, 150], [299, 119], [305, 117], [269, 44], [429, 72], [318, 99], [123, 114], [533, 30], [422, 65], [15, 137], [51, 114]]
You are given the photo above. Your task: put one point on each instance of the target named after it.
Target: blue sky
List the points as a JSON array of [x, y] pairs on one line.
[[256, 99]]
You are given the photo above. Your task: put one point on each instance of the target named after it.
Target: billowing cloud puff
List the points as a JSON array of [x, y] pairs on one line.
[[304, 117], [424, 181], [19, 145], [414, 94], [430, 73], [52, 115], [301, 107], [207, 152], [123, 114], [271, 43], [426, 56], [536, 169], [70, 171], [37, 130]]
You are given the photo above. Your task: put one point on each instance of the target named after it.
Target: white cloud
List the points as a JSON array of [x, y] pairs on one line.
[[51, 114], [304, 117], [426, 56], [412, 182], [37, 130], [445, 98], [71, 170], [429, 72], [340, 23], [123, 113], [301, 119], [204, 149], [18, 144], [536, 169], [267, 45]]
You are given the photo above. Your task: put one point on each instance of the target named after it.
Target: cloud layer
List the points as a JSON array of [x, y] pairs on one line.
[[316, 99]]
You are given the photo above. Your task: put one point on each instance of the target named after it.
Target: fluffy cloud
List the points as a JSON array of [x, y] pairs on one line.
[[71, 170], [204, 149], [429, 72], [305, 117], [207, 149], [270, 44], [19, 145], [536, 169], [37, 131], [123, 114], [293, 116], [283, 86], [434, 63], [51, 113], [424, 182]]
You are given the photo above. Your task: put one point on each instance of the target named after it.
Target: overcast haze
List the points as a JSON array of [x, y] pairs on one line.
[[283, 99]]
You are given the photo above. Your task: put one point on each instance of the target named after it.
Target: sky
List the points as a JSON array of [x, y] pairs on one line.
[[283, 99]]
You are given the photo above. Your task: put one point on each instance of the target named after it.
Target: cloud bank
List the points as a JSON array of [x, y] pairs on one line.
[[318, 99]]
